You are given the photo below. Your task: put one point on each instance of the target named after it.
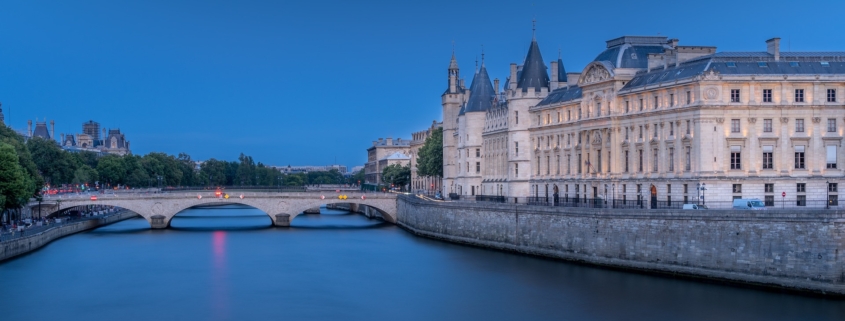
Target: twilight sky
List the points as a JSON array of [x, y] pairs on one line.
[[308, 82]]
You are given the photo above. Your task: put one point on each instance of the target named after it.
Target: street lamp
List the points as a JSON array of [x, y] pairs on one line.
[[827, 202], [701, 188]]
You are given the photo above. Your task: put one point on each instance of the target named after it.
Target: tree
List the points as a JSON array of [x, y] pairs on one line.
[[111, 169], [396, 174], [85, 175], [430, 160], [54, 164], [246, 170], [358, 177], [15, 187]]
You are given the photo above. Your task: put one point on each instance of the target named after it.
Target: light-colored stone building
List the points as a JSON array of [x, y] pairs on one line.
[[423, 183], [653, 120], [650, 119], [381, 149]]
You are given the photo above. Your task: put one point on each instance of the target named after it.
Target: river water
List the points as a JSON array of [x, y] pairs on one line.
[[230, 264]]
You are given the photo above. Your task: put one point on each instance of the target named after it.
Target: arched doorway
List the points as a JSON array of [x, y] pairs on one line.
[[653, 196]]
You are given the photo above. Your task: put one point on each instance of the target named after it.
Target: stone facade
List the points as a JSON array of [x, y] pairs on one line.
[[745, 125], [381, 149], [419, 183], [780, 249], [650, 119]]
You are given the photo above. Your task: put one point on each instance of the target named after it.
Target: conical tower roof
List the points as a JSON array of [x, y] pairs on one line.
[[561, 72], [453, 64], [481, 92], [534, 73]]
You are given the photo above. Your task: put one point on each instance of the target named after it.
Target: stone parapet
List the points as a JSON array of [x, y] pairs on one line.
[[803, 251]]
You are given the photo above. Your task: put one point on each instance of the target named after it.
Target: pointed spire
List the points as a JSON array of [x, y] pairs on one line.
[[533, 74], [453, 64], [482, 55], [534, 29], [481, 92]]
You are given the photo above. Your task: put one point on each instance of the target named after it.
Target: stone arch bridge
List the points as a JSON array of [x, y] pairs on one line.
[[160, 208]]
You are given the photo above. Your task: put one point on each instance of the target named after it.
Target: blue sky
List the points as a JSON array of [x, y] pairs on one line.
[[309, 82]]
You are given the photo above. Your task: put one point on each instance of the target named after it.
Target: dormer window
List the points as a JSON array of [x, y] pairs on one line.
[[825, 64], [762, 64], [731, 64], [793, 64]]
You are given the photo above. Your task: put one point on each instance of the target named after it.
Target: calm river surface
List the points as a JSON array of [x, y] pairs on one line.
[[230, 264]]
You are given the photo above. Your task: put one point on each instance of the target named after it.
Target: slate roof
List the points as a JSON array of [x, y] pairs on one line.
[[41, 131], [481, 92], [746, 63], [533, 70], [561, 72], [561, 95], [629, 55]]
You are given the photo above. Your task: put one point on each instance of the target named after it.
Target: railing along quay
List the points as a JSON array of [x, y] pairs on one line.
[[644, 204], [8, 234]]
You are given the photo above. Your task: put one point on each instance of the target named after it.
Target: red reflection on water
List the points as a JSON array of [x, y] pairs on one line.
[[219, 277]]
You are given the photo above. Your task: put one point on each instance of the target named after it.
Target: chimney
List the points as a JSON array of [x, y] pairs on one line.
[[463, 84], [29, 128], [512, 81], [496, 85], [554, 77], [63, 140], [389, 141], [53, 129], [773, 47]]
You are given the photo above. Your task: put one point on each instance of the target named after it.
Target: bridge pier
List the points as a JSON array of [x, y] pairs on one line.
[[282, 220], [159, 222]]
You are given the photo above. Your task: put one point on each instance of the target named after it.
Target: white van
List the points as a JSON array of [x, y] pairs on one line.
[[749, 204], [694, 207]]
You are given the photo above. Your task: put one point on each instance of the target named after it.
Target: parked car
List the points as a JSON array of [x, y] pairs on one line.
[[694, 207], [748, 204]]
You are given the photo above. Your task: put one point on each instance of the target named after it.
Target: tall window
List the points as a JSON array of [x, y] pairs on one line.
[[557, 164], [579, 163], [641, 132], [799, 95], [767, 95], [626, 132], [477, 152], [734, 95], [569, 164], [799, 125], [734, 125], [548, 164], [689, 97], [655, 130], [769, 188], [654, 161], [832, 187], [831, 125], [627, 106], [516, 169], [831, 95], [671, 128], [598, 161], [626, 161], [671, 100], [598, 109], [516, 115], [688, 127], [671, 159], [516, 148], [656, 102], [640, 165], [801, 187], [478, 167], [767, 125], [641, 105], [736, 159], [831, 156], [767, 157], [688, 158], [799, 157]]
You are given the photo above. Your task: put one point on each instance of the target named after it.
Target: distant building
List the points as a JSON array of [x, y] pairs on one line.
[[419, 183], [383, 148], [114, 141], [311, 168]]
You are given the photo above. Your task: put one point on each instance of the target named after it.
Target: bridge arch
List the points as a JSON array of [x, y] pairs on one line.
[[159, 209]]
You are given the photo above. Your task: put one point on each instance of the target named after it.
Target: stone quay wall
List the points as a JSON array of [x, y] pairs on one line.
[[794, 250], [20, 246]]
